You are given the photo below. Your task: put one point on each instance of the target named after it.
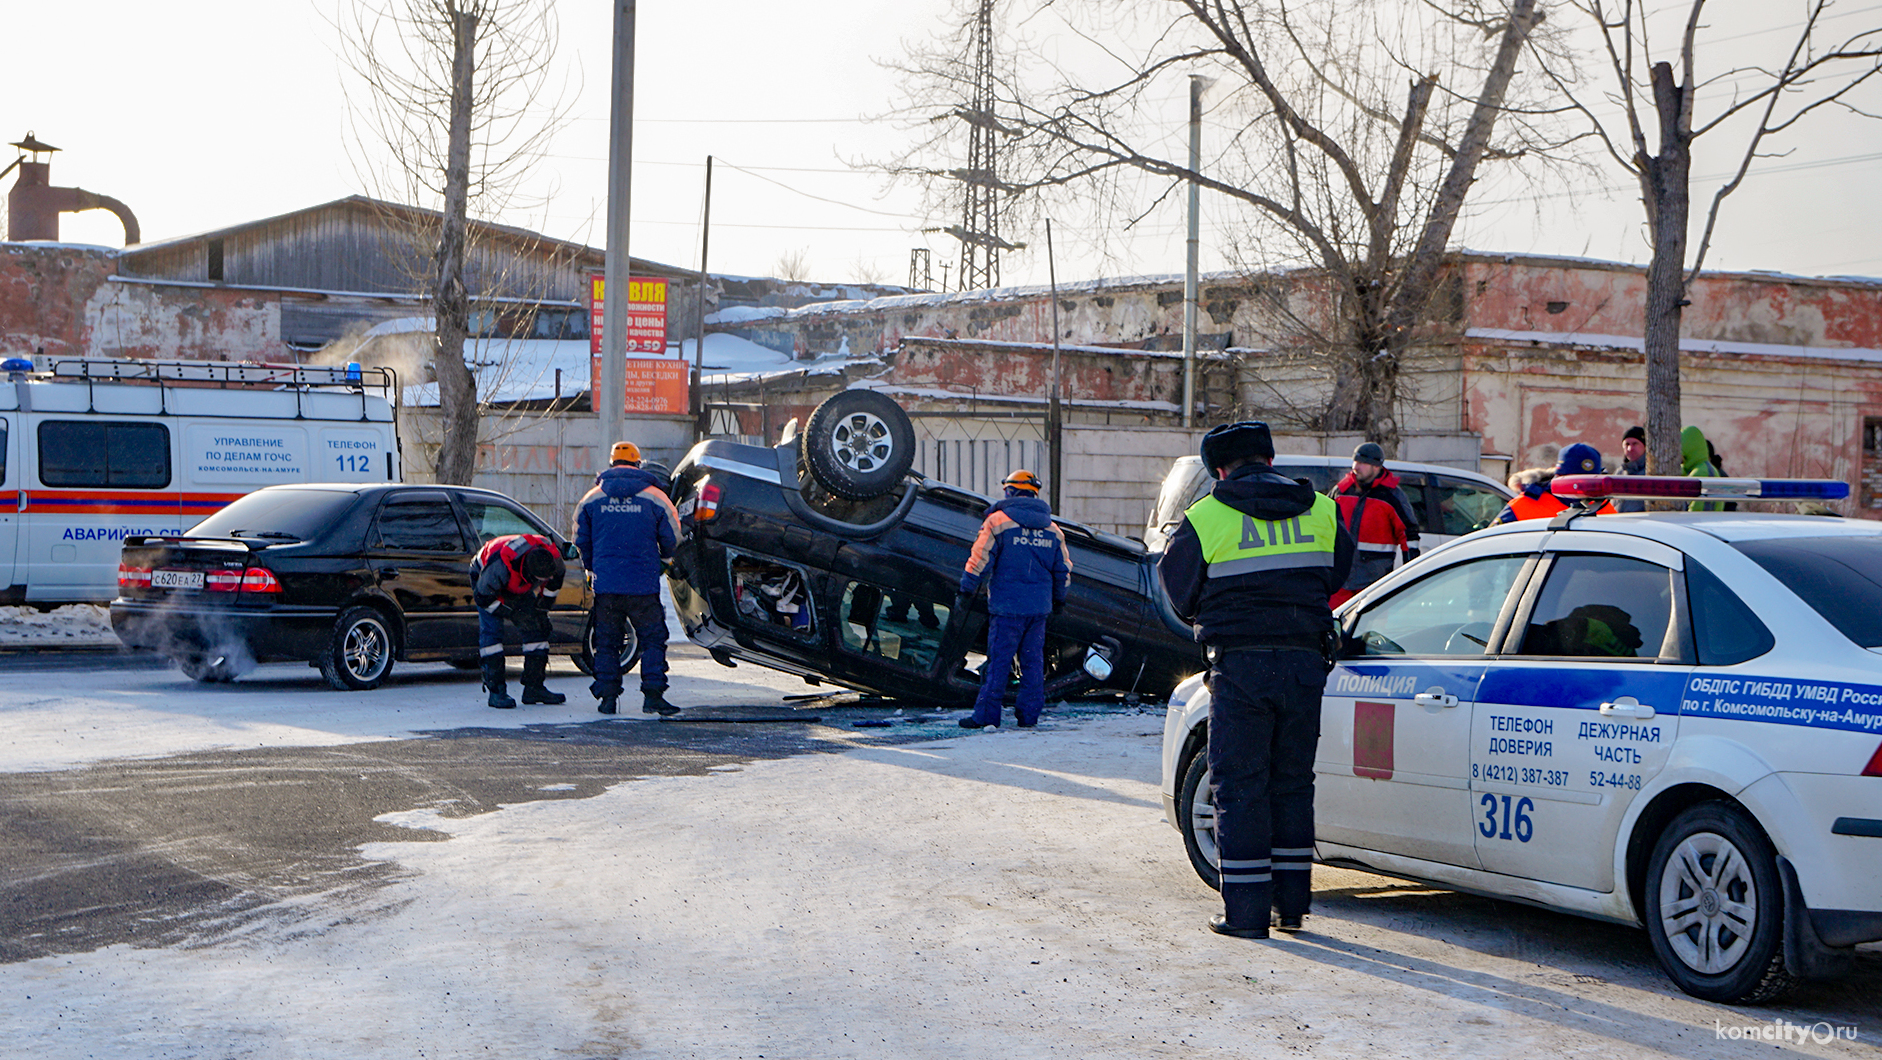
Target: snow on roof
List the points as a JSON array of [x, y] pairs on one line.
[[1533, 258], [938, 394], [995, 294], [1125, 351], [1631, 342], [743, 314]]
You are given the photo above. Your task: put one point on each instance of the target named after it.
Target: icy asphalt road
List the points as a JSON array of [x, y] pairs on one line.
[[273, 869]]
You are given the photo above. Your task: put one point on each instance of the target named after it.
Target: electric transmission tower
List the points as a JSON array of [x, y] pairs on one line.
[[979, 230]]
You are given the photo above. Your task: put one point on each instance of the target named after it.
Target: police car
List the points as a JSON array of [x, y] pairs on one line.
[[1671, 720]]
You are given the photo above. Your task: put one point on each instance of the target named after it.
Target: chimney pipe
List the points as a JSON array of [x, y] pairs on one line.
[[34, 206]]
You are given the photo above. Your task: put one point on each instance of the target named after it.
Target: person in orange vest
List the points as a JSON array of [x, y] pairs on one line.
[[1533, 498]]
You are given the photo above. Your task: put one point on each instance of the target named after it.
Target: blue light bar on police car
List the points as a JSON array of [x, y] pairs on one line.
[[1597, 487]]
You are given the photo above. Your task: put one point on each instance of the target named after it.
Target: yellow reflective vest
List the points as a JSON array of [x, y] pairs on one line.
[[1235, 542]]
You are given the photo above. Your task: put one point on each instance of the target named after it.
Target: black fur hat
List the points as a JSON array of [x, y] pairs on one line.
[[1247, 440]]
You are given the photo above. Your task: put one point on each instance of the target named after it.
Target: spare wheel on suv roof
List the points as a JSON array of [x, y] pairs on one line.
[[859, 444]]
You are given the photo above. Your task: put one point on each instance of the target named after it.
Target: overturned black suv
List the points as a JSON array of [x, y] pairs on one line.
[[824, 556]]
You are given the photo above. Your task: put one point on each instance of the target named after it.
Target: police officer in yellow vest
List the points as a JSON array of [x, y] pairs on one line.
[[1251, 568]]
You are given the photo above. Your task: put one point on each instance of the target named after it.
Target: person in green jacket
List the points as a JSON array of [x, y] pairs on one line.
[[1694, 461]]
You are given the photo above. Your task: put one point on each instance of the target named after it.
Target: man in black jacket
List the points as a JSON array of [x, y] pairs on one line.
[[1251, 568]]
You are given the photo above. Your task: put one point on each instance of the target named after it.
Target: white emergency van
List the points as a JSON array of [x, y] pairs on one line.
[[94, 451]]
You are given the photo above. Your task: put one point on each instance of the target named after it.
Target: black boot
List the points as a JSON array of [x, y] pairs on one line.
[[535, 667], [493, 682], [655, 702], [606, 705]]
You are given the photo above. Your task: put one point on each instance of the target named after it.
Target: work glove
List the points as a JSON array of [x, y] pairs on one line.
[[961, 600], [1412, 554]]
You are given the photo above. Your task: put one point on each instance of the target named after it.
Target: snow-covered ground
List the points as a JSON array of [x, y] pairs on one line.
[[74, 625], [1001, 894]]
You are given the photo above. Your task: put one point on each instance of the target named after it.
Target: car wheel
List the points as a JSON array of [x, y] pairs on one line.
[[1714, 907], [859, 444], [359, 653], [630, 649], [1195, 811], [208, 670]]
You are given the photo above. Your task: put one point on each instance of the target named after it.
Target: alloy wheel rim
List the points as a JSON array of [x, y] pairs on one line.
[[365, 650], [862, 442], [1202, 820], [1708, 903]]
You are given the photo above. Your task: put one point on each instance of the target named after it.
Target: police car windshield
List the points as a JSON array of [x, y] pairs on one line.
[[277, 514], [1840, 577]]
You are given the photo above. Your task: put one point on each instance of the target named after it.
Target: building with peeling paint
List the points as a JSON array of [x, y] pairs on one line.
[[1783, 373]]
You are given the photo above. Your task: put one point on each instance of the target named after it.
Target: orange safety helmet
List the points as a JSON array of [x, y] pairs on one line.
[[624, 453], [1023, 479]]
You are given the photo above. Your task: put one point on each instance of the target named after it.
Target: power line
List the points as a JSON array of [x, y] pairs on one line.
[[741, 121], [790, 228], [850, 171]]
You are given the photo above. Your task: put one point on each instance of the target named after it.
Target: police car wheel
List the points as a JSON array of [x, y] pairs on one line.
[[358, 655], [630, 649], [1195, 809], [209, 671], [1714, 907], [859, 444]]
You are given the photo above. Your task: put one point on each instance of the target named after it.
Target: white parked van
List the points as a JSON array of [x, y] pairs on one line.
[[94, 451]]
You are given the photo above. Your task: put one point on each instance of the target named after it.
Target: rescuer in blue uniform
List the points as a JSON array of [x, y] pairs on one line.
[[625, 528], [1251, 568], [1028, 570], [515, 577]]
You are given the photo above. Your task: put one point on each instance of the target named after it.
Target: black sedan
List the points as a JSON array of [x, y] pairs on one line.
[[345, 577], [822, 556]]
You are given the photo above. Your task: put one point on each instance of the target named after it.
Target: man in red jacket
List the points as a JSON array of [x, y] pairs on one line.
[[1374, 510], [516, 578]]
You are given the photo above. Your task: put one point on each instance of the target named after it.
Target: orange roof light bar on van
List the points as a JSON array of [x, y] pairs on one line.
[[1597, 487]]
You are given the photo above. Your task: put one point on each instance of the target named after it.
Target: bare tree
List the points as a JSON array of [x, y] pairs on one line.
[[453, 98], [793, 266], [1814, 70], [1356, 130]]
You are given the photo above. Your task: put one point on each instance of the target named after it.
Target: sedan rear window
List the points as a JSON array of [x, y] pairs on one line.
[[1839, 577], [277, 514]]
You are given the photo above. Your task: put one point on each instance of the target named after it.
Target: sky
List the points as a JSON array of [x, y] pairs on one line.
[[208, 113]]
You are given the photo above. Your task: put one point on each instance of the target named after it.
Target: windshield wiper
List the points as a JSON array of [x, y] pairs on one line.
[[276, 535]]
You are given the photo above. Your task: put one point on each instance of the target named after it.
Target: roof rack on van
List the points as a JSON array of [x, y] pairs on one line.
[[227, 373], [169, 376]]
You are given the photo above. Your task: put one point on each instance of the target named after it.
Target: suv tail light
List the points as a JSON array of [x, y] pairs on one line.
[[260, 580], [130, 577], [708, 507]]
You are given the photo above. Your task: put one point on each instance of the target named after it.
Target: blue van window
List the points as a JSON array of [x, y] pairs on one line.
[[94, 453], [1725, 631]]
